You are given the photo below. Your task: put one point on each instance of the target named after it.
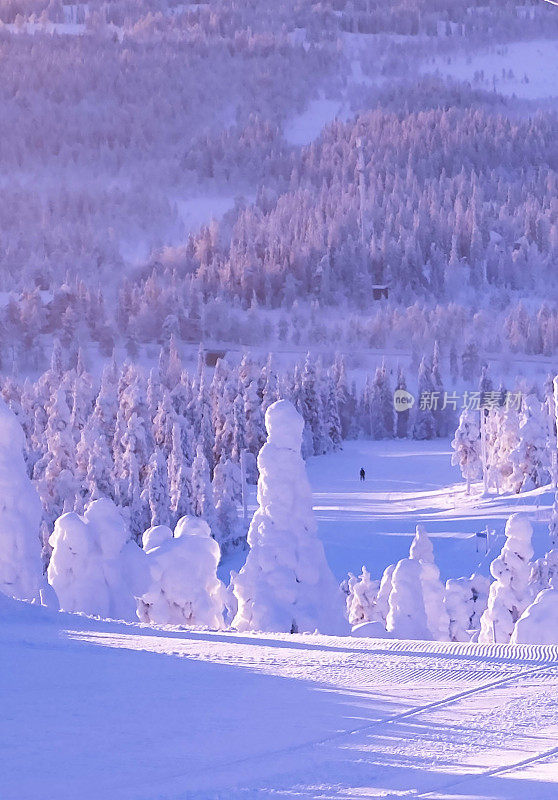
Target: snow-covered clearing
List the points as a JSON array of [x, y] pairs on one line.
[[526, 69], [95, 709], [198, 211], [306, 127], [409, 482]]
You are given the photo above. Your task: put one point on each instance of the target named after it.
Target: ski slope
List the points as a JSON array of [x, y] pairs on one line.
[[95, 709], [408, 482]]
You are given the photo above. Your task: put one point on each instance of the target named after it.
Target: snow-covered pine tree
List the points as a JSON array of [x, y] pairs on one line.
[[530, 458], [202, 490], [425, 424], [130, 473], [238, 443], [93, 464], [163, 423], [440, 413], [402, 417], [226, 493], [406, 617], [470, 362], [362, 598], [381, 607], [248, 376], [312, 407], [432, 589], [156, 492], [465, 601], [179, 474], [285, 584], [270, 391], [381, 405], [55, 472], [467, 446], [509, 594], [346, 402], [333, 422]]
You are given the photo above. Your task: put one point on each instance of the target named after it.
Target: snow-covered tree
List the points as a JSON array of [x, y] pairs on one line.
[[509, 593], [94, 462], [331, 410], [202, 490], [184, 588], [95, 567], [425, 424], [381, 606], [362, 598], [381, 405], [539, 622], [179, 476], [465, 601], [156, 493], [226, 492], [402, 417], [502, 434], [531, 457], [285, 584], [20, 515], [406, 617], [467, 446], [440, 413], [55, 472], [432, 589]]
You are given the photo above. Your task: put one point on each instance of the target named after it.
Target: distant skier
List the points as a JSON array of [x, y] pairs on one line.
[[362, 474]]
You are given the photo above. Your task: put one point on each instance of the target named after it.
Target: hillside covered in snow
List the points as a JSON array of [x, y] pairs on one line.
[[177, 165]]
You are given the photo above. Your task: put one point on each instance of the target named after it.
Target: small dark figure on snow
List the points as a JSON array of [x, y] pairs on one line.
[[362, 474]]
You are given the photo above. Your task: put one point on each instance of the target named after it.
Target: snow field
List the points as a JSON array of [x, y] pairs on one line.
[[409, 482], [528, 70], [214, 714]]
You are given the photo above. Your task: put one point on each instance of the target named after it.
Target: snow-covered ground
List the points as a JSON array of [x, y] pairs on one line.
[[308, 125], [526, 69], [94, 709]]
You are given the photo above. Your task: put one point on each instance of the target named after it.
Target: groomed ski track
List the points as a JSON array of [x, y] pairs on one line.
[[227, 715]]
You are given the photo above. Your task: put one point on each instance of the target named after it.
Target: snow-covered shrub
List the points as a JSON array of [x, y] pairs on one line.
[[465, 601], [539, 622], [286, 584], [362, 598], [95, 567], [20, 515], [406, 618], [467, 446], [509, 593], [381, 607], [184, 588], [543, 571], [432, 588]]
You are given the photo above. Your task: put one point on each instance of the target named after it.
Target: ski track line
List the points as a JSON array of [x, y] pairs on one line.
[[490, 773], [417, 711]]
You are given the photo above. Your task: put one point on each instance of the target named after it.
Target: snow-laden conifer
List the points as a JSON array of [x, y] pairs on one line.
[[286, 584]]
